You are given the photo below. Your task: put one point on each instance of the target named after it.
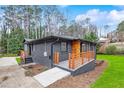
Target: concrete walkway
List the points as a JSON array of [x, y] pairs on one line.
[[50, 76], [8, 61]]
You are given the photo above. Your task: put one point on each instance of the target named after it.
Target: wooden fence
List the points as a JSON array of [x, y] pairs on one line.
[[75, 62]]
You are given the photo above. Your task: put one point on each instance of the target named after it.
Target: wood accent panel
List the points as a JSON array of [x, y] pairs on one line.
[[76, 49], [56, 57], [75, 53], [83, 56], [87, 56], [71, 61]]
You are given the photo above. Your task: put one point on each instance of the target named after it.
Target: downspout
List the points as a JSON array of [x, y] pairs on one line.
[[52, 51], [95, 52]]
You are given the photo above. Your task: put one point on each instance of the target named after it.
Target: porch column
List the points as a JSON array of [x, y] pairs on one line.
[[56, 57], [71, 61]]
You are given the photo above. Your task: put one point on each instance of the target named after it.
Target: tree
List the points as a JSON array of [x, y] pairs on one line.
[[120, 26], [3, 40], [106, 27], [14, 43], [91, 37], [120, 31], [53, 19], [29, 22], [9, 17]]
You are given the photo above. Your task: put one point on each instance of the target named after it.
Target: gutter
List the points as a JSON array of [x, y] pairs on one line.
[[51, 57]]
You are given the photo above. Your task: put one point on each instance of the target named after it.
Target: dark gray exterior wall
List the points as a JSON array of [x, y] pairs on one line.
[[85, 68], [63, 55], [82, 69], [38, 54]]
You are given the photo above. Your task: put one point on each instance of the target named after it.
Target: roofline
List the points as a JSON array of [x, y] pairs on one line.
[[67, 38]]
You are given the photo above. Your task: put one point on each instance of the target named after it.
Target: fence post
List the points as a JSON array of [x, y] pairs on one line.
[[57, 57], [93, 54], [88, 55], [82, 57], [69, 59], [73, 64]]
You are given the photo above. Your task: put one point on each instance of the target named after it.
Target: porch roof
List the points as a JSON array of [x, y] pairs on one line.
[[57, 37]]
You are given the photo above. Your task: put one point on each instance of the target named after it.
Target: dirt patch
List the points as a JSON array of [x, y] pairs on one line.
[[83, 80], [2, 79], [33, 70], [99, 62]]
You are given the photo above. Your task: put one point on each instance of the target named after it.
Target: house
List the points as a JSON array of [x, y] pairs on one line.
[[103, 42], [116, 36], [72, 54]]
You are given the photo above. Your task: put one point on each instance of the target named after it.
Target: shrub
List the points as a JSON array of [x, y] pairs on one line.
[[120, 51], [18, 60], [97, 47], [111, 49]]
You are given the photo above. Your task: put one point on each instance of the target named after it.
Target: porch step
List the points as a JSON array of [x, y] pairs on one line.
[[50, 76], [28, 60]]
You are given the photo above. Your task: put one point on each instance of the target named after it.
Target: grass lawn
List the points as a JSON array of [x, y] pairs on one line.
[[18, 60], [8, 55], [113, 76]]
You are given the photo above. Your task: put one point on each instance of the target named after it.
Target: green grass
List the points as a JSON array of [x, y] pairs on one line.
[[18, 60], [7, 55], [113, 76]]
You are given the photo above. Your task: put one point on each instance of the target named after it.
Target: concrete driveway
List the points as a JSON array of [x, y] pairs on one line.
[[8, 61], [14, 77]]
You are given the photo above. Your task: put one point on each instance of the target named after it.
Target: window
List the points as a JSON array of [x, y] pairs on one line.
[[92, 48], [63, 46], [84, 47]]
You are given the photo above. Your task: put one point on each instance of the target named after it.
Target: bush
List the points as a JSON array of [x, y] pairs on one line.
[[18, 60], [111, 49], [120, 51], [97, 47]]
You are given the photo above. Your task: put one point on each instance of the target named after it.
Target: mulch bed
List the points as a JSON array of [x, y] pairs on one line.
[[33, 70], [83, 80]]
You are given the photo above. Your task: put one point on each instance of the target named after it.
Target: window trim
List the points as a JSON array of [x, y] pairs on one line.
[[66, 46]]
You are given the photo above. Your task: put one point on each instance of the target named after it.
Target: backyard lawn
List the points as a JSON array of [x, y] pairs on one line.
[[113, 76]]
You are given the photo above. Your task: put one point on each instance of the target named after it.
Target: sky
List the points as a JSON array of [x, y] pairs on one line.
[[100, 15]]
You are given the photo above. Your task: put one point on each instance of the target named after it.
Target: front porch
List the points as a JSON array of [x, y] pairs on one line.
[[76, 65], [65, 65]]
